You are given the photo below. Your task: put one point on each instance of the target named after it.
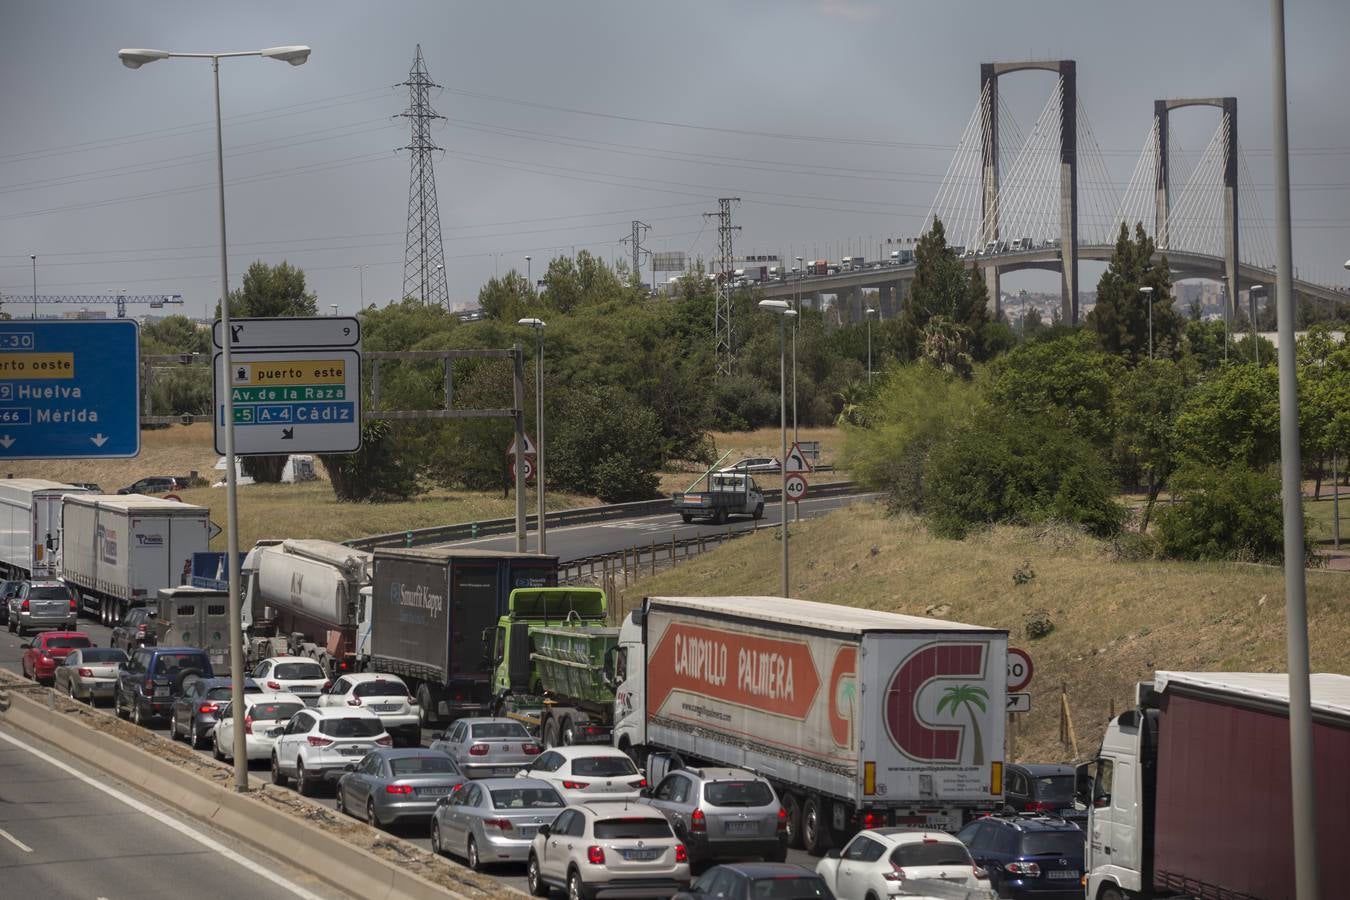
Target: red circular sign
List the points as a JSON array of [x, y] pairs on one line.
[[795, 487], [173, 497], [1020, 669]]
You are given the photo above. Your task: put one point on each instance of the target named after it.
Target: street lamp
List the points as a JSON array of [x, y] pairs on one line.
[[333, 307], [1251, 307], [529, 273], [1148, 298], [870, 313], [538, 326], [785, 311], [295, 55], [362, 270], [33, 257]]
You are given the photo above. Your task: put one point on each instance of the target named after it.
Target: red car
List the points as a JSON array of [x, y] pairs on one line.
[[46, 651]]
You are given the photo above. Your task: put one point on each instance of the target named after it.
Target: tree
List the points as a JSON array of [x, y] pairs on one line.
[[1233, 417], [604, 444], [571, 283], [1120, 318], [174, 334], [1068, 374], [507, 298], [940, 288], [1149, 399], [946, 346], [380, 472], [1224, 512]]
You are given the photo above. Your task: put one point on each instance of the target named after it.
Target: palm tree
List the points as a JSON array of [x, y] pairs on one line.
[[969, 696]]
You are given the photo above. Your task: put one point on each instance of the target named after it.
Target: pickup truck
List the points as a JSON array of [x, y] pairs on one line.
[[728, 493]]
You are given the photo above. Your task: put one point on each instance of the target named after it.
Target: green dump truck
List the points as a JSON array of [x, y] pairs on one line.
[[554, 655]]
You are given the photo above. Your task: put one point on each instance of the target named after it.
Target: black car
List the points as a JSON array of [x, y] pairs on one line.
[[7, 589], [757, 881], [148, 683], [1028, 857], [194, 711], [1041, 788], [137, 629], [157, 484]]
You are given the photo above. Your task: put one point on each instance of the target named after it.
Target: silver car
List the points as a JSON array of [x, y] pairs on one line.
[[723, 814], [483, 748], [42, 604], [89, 673], [493, 820], [390, 785]]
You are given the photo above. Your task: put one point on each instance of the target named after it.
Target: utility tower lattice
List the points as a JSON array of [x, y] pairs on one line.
[[723, 333], [639, 229], [424, 256]]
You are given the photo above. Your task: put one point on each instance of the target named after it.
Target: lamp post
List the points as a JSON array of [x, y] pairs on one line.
[[529, 273], [333, 307], [538, 326], [296, 56], [33, 257], [785, 312], [362, 270], [1251, 311], [1223, 295], [1148, 298], [870, 313]]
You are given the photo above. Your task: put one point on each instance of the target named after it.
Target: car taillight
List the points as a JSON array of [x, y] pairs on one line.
[[318, 741], [681, 854], [872, 820], [478, 750], [896, 874], [355, 701], [326, 685], [595, 856], [72, 604], [273, 686], [86, 673], [23, 605], [639, 784], [576, 785], [248, 724], [140, 629], [531, 749], [499, 824], [398, 788], [148, 688], [1039, 806], [385, 740], [698, 821], [782, 819], [208, 708], [1029, 869]]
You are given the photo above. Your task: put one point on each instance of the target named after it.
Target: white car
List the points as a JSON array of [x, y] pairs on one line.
[[384, 695], [265, 716], [292, 674], [587, 774], [317, 743], [613, 849], [893, 862]]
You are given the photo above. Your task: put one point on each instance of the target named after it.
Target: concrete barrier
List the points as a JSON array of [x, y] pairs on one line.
[[313, 850]]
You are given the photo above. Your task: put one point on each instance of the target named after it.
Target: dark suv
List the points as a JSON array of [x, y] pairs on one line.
[[1033, 857], [1041, 788], [157, 484], [139, 628], [150, 681]]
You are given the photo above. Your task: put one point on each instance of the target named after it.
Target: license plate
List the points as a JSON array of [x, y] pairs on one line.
[[1064, 874], [161, 690], [352, 751], [641, 854], [432, 792], [528, 831], [384, 707], [742, 827]]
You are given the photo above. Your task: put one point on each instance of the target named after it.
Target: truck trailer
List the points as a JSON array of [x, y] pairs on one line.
[[433, 614], [30, 527], [1189, 795], [859, 718], [119, 550]]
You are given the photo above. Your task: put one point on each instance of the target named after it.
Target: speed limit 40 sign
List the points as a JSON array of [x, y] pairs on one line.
[[794, 486], [1020, 669]]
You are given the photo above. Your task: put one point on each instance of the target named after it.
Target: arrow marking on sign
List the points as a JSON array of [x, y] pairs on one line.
[[6, 441], [288, 434], [99, 439], [235, 331]]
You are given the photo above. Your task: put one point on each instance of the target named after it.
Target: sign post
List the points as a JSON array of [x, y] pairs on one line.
[[1020, 670], [794, 488]]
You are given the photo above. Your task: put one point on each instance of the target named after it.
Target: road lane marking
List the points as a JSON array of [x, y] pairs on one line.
[[163, 819], [15, 841]]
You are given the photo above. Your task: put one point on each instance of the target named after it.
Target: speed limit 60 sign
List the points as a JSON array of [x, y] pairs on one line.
[[1019, 669]]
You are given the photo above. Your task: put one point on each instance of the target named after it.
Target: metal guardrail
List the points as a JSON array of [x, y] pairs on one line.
[[441, 534]]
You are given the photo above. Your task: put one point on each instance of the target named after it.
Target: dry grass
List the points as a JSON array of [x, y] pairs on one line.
[[176, 450], [1115, 622]]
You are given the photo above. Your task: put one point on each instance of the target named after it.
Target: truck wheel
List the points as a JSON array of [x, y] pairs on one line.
[[815, 837], [568, 732], [686, 517], [722, 516], [426, 707], [759, 512], [551, 733], [794, 821], [1110, 893]]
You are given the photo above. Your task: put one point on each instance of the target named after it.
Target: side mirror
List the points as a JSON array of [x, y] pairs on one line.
[[544, 830], [349, 767], [26, 645], [645, 792], [832, 853], [1082, 783], [121, 667]]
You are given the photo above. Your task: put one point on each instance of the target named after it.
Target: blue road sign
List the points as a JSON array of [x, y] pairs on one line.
[[69, 389]]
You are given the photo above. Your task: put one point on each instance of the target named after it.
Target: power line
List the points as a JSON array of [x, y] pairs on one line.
[[424, 253]]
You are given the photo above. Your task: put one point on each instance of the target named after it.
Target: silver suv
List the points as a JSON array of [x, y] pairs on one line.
[[42, 604], [723, 813]]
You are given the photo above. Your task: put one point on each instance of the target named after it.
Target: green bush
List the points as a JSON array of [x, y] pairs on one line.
[[1007, 469], [605, 443], [380, 472], [618, 479], [1224, 513]]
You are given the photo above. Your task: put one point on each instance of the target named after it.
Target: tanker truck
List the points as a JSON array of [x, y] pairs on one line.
[[307, 598]]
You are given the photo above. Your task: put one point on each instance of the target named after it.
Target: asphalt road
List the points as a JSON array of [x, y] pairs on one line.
[[66, 834]]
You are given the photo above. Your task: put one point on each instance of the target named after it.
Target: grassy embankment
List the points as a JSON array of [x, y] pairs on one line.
[[1115, 622]]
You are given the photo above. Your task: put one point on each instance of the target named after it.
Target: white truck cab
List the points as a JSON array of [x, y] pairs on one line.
[[1115, 847]]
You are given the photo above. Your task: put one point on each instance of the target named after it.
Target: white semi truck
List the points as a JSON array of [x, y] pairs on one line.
[[859, 718], [119, 550], [30, 527]]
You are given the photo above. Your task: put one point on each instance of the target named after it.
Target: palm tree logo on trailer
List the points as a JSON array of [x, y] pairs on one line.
[[967, 696]]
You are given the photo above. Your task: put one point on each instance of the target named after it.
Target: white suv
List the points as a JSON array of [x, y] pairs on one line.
[[621, 849], [319, 742], [586, 774], [384, 695], [889, 862], [265, 717], [297, 675]]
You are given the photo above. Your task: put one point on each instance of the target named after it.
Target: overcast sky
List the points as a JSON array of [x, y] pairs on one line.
[[833, 120]]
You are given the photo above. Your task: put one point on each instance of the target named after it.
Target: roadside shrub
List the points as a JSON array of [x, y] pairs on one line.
[[1131, 546], [1224, 513], [1037, 624], [606, 444], [618, 479], [381, 471], [1019, 471]]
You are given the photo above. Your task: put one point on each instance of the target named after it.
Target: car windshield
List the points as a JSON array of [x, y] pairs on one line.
[[1054, 843], [428, 764], [219, 693], [603, 766], [626, 829], [102, 655], [788, 887], [10, 588], [172, 663], [380, 689], [298, 670], [931, 853], [49, 592], [526, 798], [1055, 789], [499, 731], [68, 643], [737, 793], [351, 728], [274, 711]]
